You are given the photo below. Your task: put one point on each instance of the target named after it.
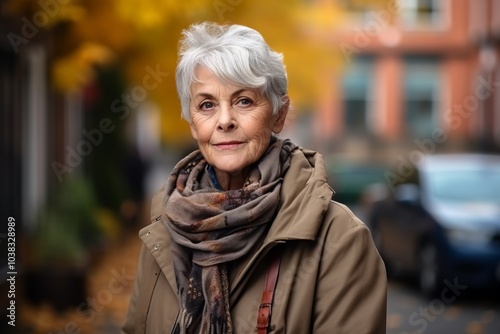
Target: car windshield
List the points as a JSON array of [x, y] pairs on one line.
[[478, 185]]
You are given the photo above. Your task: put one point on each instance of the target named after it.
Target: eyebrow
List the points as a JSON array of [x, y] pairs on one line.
[[238, 92]]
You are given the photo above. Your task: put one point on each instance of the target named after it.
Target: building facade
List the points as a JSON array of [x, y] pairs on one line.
[[415, 72]]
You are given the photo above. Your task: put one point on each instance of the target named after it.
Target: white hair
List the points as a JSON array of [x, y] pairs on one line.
[[234, 53]]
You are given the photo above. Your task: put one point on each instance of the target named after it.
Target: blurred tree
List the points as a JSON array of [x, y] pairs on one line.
[[142, 37]]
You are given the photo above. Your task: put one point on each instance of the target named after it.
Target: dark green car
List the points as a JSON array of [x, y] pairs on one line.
[[351, 179]]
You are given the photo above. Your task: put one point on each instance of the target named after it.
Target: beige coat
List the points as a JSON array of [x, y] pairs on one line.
[[331, 280]]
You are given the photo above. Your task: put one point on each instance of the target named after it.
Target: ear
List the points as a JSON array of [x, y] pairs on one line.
[[279, 123]]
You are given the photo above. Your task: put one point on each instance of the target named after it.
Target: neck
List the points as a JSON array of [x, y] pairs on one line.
[[229, 181]]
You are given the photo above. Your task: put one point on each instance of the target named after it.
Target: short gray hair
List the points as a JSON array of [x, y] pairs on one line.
[[234, 53]]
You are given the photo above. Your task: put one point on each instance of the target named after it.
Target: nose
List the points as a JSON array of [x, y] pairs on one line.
[[226, 119]]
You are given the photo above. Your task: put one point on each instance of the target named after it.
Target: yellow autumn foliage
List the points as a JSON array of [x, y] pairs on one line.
[[144, 33], [75, 70]]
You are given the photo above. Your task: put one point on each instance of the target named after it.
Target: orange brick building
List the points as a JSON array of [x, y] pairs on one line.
[[415, 71]]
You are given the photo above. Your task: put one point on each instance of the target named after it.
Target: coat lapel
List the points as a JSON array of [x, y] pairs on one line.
[[157, 240]]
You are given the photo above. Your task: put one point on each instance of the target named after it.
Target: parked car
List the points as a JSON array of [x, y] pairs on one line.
[[443, 223], [349, 179]]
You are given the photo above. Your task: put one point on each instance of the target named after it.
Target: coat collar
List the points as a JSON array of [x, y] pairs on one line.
[[305, 196]]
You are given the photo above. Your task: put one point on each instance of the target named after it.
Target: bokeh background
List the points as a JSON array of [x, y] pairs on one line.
[[90, 124]]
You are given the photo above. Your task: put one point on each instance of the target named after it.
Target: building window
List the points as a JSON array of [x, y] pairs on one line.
[[422, 14], [421, 95], [363, 11], [357, 93]]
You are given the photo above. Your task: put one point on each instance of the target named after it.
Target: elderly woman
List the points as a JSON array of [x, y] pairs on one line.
[[244, 237]]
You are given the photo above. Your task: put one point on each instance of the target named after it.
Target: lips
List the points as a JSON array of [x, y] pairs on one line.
[[228, 145]]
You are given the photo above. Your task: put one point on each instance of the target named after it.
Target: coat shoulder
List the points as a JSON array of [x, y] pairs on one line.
[[340, 220]]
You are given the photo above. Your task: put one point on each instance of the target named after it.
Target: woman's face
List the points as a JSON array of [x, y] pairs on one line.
[[232, 124]]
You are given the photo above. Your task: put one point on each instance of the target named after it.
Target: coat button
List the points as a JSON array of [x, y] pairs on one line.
[[149, 232], [156, 247]]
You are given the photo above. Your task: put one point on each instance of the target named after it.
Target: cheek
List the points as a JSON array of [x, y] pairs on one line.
[[263, 135], [200, 130], [261, 139], [260, 128]]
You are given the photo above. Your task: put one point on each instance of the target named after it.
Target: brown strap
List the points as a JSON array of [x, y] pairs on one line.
[[264, 316]]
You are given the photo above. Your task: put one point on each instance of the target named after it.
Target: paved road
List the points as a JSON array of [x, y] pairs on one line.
[[409, 312]]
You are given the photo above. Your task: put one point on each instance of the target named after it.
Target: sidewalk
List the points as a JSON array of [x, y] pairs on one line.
[[110, 283]]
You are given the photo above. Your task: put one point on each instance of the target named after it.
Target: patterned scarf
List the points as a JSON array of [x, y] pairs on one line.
[[211, 227]]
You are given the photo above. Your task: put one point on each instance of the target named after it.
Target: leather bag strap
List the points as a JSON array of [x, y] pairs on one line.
[[264, 316]]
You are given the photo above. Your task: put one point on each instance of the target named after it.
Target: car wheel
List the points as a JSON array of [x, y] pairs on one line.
[[429, 275]]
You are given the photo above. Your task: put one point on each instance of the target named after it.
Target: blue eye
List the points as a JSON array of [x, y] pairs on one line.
[[245, 101], [206, 105]]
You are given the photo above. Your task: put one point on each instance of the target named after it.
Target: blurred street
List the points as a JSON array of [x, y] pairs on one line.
[[107, 305], [408, 312]]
